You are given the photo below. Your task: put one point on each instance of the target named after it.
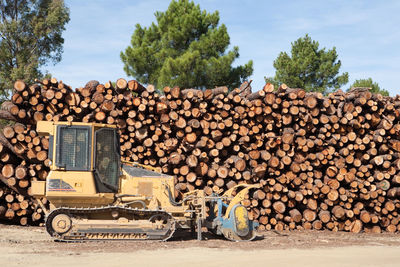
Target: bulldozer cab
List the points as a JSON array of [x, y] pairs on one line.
[[85, 147], [86, 169]]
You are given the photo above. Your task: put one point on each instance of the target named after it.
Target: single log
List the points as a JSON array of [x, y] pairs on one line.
[[279, 207], [324, 216], [19, 86], [295, 215]]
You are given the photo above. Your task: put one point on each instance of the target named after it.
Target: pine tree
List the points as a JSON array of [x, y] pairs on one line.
[[30, 37], [309, 67], [369, 83], [185, 47]]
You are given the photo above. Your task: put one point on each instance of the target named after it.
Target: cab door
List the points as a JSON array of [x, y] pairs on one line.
[[107, 160]]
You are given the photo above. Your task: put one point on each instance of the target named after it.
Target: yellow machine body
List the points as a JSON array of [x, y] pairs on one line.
[[72, 187], [94, 196]]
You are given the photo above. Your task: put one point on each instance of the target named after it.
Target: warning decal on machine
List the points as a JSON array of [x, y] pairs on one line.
[[59, 185]]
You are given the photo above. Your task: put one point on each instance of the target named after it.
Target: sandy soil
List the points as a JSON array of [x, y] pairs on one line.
[[23, 246]]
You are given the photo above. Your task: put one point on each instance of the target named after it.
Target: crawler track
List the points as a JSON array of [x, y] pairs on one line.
[[80, 224]]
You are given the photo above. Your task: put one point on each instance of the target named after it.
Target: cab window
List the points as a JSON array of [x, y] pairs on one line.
[[107, 157], [73, 148]]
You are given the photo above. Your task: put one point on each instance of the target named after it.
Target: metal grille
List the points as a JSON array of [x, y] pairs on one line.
[[107, 157], [73, 148], [138, 172]]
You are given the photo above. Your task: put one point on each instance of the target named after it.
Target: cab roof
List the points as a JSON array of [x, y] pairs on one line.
[[46, 127]]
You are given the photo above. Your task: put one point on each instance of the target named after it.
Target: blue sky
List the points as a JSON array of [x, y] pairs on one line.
[[366, 35]]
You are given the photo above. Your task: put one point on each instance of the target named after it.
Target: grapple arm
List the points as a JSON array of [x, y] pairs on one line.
[[229, 218], [239, 196]]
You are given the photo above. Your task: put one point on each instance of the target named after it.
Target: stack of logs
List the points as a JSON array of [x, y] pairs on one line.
[[323, 162]]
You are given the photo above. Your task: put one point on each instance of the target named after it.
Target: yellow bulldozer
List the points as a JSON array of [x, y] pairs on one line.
[[95, 196]]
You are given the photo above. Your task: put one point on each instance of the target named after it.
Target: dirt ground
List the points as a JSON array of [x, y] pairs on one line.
[[23, 246]]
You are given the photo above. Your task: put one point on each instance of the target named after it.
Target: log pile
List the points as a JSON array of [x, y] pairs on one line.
[[324, 162]]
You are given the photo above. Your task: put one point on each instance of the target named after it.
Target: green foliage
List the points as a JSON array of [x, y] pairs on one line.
[[30, 37], [370, 84], [309, 67], [186, 47], [4, 123]]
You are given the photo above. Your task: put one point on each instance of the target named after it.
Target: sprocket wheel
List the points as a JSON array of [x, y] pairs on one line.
[[58, 223]]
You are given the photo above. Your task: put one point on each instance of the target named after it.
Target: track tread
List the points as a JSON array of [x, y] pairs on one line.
[[76, 211]]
